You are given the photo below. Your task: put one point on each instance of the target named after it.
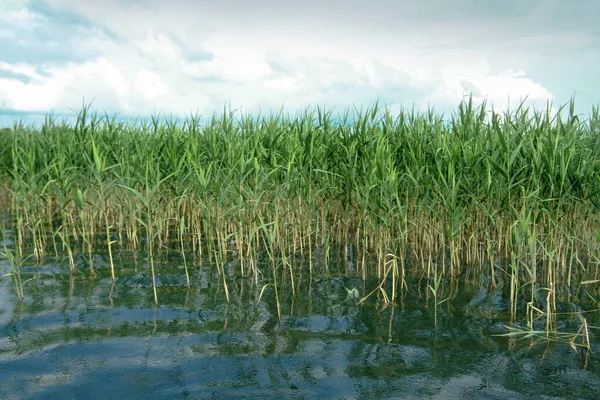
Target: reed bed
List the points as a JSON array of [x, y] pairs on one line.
[[514, 195]]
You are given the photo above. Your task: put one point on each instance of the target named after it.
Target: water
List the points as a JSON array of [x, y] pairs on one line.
[[74, 337]]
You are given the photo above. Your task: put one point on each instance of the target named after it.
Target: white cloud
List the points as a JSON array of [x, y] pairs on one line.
[[504, 89], [288, 84], [179, 56], [235, 64], [150, 85]]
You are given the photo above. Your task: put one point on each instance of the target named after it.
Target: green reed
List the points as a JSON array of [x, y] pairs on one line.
[[514, 194], [15, 263]]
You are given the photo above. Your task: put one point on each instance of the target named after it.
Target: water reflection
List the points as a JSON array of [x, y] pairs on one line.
[[74, 337]]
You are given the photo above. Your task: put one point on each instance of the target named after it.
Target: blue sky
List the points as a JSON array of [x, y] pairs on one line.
[[139, 57]]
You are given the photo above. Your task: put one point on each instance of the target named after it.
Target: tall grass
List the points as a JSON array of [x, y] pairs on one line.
[[516, 193]]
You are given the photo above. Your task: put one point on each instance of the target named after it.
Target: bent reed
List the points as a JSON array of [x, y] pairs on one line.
[[515, 195]]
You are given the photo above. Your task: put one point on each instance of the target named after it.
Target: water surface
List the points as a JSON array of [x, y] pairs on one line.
[[76, 337]]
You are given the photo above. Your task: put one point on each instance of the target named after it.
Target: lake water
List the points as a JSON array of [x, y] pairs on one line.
[[74, 337]]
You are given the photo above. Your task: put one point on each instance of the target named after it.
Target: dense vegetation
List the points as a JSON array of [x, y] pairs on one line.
[[514, 194]]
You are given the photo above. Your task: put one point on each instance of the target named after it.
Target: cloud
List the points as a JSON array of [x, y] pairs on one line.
[[139, 57], [13, 74], [41, 35]]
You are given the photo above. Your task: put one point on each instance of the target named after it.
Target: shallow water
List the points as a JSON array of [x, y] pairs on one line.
[[76, 337]]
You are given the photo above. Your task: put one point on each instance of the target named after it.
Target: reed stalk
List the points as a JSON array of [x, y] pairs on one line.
[[438, 195]]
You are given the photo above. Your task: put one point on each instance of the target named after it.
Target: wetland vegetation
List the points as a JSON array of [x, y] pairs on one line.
[[392, 243], [513, 197]]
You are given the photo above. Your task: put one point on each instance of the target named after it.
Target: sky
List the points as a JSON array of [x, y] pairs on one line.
[[180, 57]]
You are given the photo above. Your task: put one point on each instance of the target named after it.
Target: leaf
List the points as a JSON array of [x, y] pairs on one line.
[[497, 167], [79, 200], [352, 293], [137, 194], [181, 226], [443, 301], [262, 291], [514, 154]]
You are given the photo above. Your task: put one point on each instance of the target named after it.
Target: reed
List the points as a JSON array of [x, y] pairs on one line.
[[516, 194], [15, 265]]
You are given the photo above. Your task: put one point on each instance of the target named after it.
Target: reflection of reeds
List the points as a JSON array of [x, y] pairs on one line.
[[408, 190], [579, 342]]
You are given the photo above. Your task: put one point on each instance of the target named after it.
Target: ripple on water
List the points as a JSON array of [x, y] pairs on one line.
[[68, 339]]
